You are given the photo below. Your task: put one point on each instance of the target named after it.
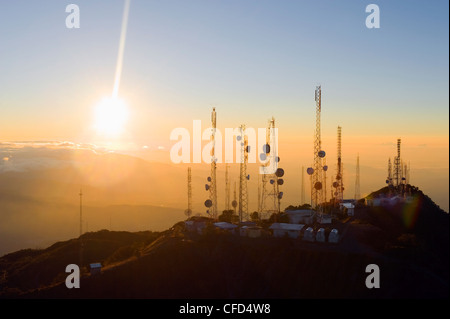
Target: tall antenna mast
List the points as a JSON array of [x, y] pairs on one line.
[[213, 185], [302, 198], [188, 211], [270, 194], [227, 188], [339, 192], [81, 212], [397, 166], [317, 185], [357, 182], [243, 177]]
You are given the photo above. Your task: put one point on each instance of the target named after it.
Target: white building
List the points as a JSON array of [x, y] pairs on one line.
[[309, 235], [283, 229], [225, 226], [334, 236], [320, 235], [350, 208], [301, 216]]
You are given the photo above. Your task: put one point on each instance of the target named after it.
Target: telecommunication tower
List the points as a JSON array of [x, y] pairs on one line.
[[188, 211], [317, 175], [357, 181], [339, 183], [227, 188], [211, 203], [271, 174], [389, 180], [243, 177], [397, 166], [302, 198]]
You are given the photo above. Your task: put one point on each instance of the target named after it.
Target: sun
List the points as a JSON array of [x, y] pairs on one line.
[[111, 115]]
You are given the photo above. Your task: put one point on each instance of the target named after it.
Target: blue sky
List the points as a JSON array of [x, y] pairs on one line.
[[250, 59]]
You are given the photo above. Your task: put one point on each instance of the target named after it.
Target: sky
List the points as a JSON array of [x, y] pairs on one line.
[[251, 60]]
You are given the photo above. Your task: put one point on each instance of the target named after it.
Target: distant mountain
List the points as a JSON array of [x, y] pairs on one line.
[[39, 187], [413, 261]]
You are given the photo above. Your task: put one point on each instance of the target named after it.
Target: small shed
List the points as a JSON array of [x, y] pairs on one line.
[[300, 216], [334, 236], [196, 225], [254, 232], [283, 229], [325, 219], [309, 235], [243, 231], [226, 226], [320, 235], [350, 208], [95, 268]]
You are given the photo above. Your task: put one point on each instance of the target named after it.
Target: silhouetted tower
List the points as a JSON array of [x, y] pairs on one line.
[[243, 177], [398, 166], [81, 212], [270, 194], [408, 168], [213, 185], [339, 183], [357, 182], [389, 180], [325, 168], [227, 188], [81, 229], [234, 203], [302, 198], [188, 211], [317, 175]]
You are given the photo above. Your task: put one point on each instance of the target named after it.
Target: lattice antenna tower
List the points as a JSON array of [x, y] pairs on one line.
[[317, 186], [397, 176], [357, 181], [389, 180], [268, 200], [339, 183], [188, 211], [213, 186], [227, 187], [302, 198], [243, 177]]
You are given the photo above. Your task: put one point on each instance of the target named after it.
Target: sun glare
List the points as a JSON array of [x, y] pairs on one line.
[[110, 116]]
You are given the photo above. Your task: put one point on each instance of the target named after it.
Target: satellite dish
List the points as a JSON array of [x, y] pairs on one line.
[[234, 203], [335, 184], [318, 185], [248, 177], [387, 181], [206, 186], [242, 143], [403, 178], [310, 170], [262, 157], [208, 203], [280, 181], [342, 188], [321, 154], [266, 148], [272, 181], [247, 149], [325, 168], [277, 159], [279, 172], [238, 137], [280, 195], [209, 178], [188, 212], [338, 177]]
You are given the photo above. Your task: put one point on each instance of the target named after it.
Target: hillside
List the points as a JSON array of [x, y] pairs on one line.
[[414, 262]]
